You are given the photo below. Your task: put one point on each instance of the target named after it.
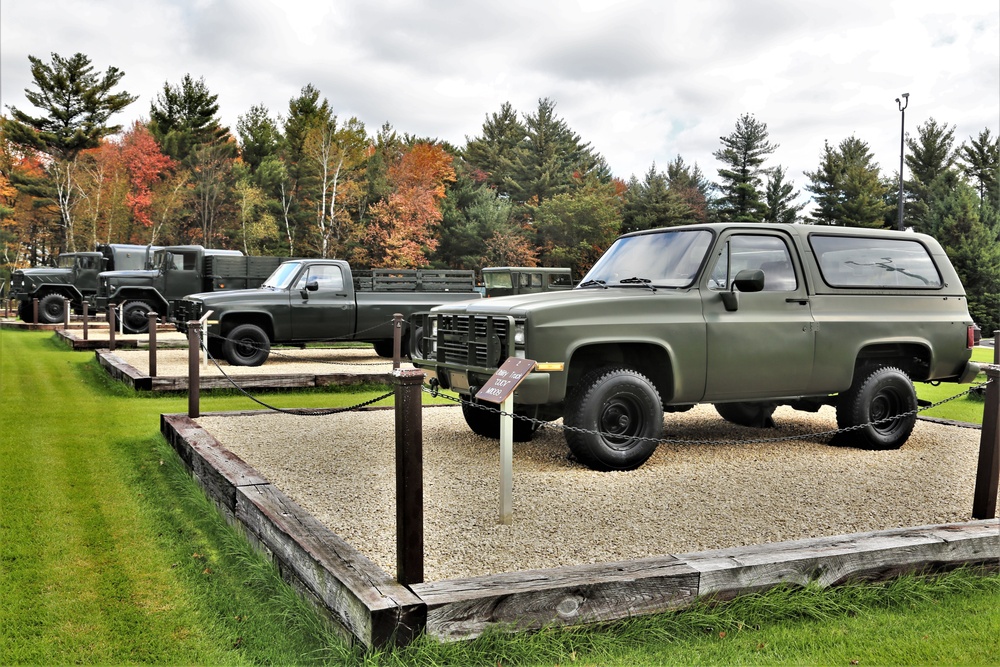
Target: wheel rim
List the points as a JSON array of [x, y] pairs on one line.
[[246, 347], [621, 419], [885, 405], [135, 318], [53, 309]]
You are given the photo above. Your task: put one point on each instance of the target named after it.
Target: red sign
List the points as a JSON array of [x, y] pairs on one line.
[[505, 380]]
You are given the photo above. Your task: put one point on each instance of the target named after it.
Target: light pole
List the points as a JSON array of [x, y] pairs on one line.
[[902, 122]]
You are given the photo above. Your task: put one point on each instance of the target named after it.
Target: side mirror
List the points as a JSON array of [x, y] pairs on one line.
[[312, 285], [746, 281]]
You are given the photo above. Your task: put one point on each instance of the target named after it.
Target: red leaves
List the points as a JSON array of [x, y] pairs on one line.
[[146, 165]]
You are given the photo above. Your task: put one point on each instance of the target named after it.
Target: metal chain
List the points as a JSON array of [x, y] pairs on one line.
[[305, 412], [563, 427]]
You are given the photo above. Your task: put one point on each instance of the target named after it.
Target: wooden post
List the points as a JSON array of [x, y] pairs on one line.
[[194, 377], [111, 327], [409, 477], [66, 303], [397, 330], [34, 310], [984, 498], [86, 318], [152, 344]]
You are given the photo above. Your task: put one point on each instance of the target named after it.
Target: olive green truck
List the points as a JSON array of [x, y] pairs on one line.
[[744, 316], [319, 300]]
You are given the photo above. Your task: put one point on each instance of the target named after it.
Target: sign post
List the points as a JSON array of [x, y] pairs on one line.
[[500, 389]]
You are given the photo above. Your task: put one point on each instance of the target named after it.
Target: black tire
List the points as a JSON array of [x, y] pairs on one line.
[[877, 393], [51, 309], [756, 415], [621, 412], [135, 317], [25, 311], [487, 423], [383, 348], [246, 345]]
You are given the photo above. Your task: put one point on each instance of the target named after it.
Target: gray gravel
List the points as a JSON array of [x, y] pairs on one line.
[[687, 497]]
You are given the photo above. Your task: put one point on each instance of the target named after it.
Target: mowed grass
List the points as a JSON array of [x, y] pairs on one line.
[[966, 408], [109, 553]]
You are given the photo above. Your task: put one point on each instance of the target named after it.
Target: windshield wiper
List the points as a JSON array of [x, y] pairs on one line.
[[635, 280], [594, 283]]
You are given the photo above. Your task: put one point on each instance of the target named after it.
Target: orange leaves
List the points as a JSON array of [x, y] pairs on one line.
[[146, 165], [404, 226]]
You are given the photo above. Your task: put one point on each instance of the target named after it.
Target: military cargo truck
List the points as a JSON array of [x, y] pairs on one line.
[[311, 300], [175, 272], [73, 277], [744, 316]]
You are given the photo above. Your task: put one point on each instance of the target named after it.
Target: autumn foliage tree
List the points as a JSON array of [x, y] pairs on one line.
[[403, 226], [146, 166]]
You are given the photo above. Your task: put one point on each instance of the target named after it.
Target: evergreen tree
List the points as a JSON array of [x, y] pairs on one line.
[[981, 163], [690, 184], [971, 246], [744, 151], [259, 136], [651, 203], [575, 228], [554, 160], [77, 104], [849, 191], [493, 156], [780, 197], [183, 118], [928, 157]]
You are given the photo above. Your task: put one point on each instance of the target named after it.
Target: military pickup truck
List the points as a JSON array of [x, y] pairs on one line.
[[175, 272], [312, 300], [74, 277], [744, 316]]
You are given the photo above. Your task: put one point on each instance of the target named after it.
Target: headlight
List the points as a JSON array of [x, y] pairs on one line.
[[519, 334]]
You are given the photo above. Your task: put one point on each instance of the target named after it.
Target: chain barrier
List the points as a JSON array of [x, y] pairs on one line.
[[305, 412], [540, 424], [279, 353]]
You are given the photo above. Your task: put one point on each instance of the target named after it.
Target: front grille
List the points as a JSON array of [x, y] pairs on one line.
[[472, 340]]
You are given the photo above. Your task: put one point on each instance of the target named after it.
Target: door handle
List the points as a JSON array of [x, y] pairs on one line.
[[799, 300]]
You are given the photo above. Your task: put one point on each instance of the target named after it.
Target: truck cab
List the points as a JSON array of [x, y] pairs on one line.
[[507, 280]]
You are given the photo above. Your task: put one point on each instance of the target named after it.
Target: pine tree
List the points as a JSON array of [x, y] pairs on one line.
[[651, 203], [554, 160], [259, 136], [849, 190], [780, 197], [744, 151], [493, 156], [78, 105], [928, 157], [981, 163], [183, 118]]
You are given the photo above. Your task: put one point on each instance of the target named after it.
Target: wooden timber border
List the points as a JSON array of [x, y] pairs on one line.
[[369, 605], [74, 339], [128, 374]]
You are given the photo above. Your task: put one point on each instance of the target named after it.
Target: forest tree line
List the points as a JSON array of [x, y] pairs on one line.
[[527, 190]]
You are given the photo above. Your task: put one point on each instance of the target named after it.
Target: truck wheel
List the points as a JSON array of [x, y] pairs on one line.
[[755, 414], [25, 310], [135, 317], [383, 348], [621, 416], [487, 423], [51, 309], [878, 393], [246, 345]]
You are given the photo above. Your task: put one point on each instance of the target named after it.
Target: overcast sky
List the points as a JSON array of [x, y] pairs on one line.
[[643, 81]]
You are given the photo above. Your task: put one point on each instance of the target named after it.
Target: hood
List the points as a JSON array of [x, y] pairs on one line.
[[520, 305], [115, 276], [226, 296]]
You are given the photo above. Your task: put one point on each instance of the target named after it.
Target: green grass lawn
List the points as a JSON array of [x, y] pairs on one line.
[[109, 553], [968, 407]]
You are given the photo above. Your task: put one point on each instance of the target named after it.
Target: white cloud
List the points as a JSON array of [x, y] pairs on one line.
[[642, 80]]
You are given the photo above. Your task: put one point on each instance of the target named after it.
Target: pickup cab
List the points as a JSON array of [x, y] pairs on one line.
[[317, 300], [744, 316]]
